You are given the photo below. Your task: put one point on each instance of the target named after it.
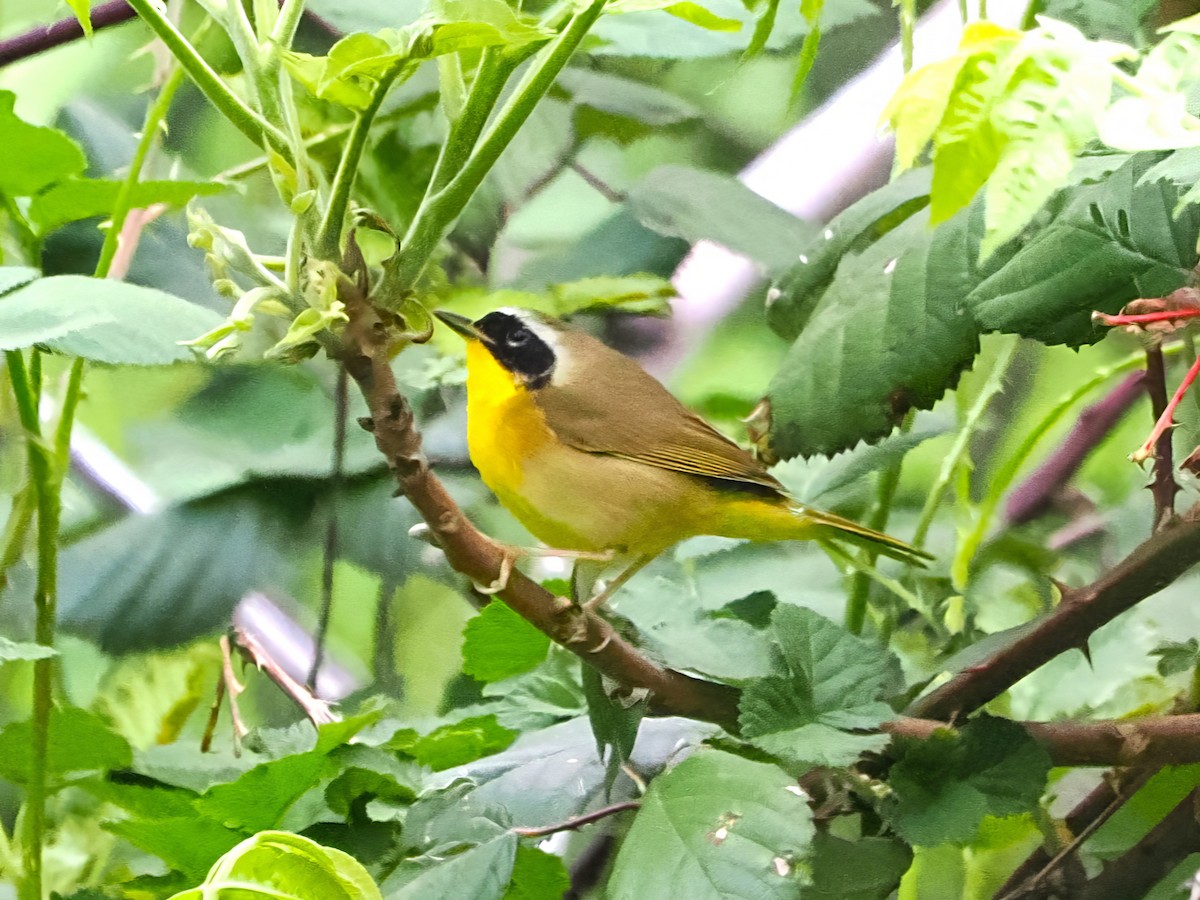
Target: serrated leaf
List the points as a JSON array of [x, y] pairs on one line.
[[258, 799], [80, 744], [13, 277], [829, 682], [13, 651], [541, 697], [82, 198], [1110, 242], [798, 291], [482, 873], [716, 826], [286, 866], [944, 786], [643, 295], [83, 14], [102, 320], [887, 336], [693, 204], [33, 156], [498, 644]]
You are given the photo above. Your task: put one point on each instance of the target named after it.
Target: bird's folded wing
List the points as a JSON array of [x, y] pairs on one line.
[[630, 415]]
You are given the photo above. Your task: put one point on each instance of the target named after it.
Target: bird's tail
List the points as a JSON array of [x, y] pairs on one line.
[[782, 519], [834, 527]]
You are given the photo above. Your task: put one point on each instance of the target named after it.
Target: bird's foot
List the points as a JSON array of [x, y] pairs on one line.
[[599, 599], [510, 555]]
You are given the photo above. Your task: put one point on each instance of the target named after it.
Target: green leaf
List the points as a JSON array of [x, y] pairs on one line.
[[716, 826], [83, 13], [643, 295], [945, 785], [456, 743], [615, 716], [369, 773], [13, 277], [887, 335], [102, 320], [538, 876], [286, 866], [829, 683], [165, 578], [80, 744], [481, 873], [627, 98], [11, 651], [799, 290], [693, 204], [258, 799], [1175, 657], [682, 9], [866, 869], [1110, 242], [498, 643], [189, 844], [82, 198], [32, 156], [541, 697]]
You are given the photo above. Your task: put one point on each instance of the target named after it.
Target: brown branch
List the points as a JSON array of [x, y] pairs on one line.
[[41, 38], [366, 353], [318, 711], [1148, 569], [1151, 858], [1163, 488], [1152, 741], [574, 824]]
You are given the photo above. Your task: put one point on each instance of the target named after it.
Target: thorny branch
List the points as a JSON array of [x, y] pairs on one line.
[[1153, 565], [577, 822], [1164, 488]]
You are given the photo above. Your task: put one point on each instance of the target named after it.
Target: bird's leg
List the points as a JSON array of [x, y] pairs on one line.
[[598, 600], [511, 554]]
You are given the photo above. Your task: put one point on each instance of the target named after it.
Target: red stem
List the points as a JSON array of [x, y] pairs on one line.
[[1166, 315], [1164, 422]]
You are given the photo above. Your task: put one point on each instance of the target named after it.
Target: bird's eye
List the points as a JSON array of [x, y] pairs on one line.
[[517, 338]]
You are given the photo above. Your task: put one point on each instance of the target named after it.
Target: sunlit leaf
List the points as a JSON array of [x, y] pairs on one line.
[[286, 867], [33, 156], [80, 744], [498, 643], [101, 319], [82, 198]]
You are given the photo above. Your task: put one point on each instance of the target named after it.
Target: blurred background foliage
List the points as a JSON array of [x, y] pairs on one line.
[[230, 464]]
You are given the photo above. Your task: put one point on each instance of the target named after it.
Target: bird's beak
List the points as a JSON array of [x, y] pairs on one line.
[[461, 324]]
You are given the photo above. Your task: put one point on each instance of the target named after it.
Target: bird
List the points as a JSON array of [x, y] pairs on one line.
[[598, 460]]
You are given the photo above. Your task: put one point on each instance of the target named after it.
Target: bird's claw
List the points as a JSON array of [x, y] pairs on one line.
[[507, 560]]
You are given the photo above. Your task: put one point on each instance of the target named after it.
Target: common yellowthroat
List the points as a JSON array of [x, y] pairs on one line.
[[593, 454]]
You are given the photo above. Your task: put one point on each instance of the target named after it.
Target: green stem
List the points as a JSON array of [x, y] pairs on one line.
[[950, 463], [329, 238], [290, 13], [154, 118], [495, 67], [47, 487], [908, 16], [439, 210], [241, 116], [860, 582], [15, 530]]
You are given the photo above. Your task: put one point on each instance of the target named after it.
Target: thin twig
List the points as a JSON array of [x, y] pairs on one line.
[[233, 687], [330, 550], [1150, 859], [318, 711], [1162, 428], [574, 824], [1163, 488]]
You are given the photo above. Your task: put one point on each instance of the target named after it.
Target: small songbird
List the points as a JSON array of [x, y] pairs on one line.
[[593, 455]]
